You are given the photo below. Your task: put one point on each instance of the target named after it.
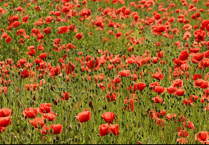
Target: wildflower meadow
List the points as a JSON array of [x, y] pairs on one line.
[[104, 71]]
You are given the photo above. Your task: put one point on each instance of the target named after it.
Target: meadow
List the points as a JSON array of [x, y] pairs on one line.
[[104, 71]]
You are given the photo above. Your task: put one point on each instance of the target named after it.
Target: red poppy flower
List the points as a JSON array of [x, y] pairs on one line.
[[45, 108], [180, 92], [160, 122], [49, 116], [2, 129], [189, 124], [154, 60], [199, 35], [207, 52], [45, 130], [182, 140], [16, 24], [204, 85], [130, 49], [8, 39], [78, 36], [184, 67], [56, 128], [64, 29], [21, 41], [177, 83], [129, 104], [57, 13], [108, 117], [114, 129], [31, 52], [170, 116], [38, 8], [199, 82], [47, 30], [202, 137], [188, 102], [124, 73], [194, 50], [104, 129], [184, 55], [198, 56], [5, 121], [4, 35], [43, 56], [141, 86], [157, 99], [25, 19], [66, 95], [37, 122], [30, 112], [4, 89], [159, 29], [100, 77], [127, 11], [153, 85], [157, 16], [207, 107], [160, 54], [196, 76], [117, 79], [110, 66], [69, 68], [112, 96], [84, 116], [5, 112], [93, 63], [56, 42], [159, 89], [193, 97], [171, 90], [158, 76], [161, 114], [118, 34], [183, 133], [152, 114], [181, 118], [40, 36]]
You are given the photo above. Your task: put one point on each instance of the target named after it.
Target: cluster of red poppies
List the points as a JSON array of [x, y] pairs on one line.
[[105, 129], [47, 115], [201, 137]]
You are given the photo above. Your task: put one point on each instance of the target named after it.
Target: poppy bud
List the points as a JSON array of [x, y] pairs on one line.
[[54, 140], [105, 107], [34, 98], [91, 104], [55, 102], [69, 127], [33, 102]]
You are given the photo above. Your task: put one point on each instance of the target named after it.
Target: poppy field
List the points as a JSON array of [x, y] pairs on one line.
[[104, 71]]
